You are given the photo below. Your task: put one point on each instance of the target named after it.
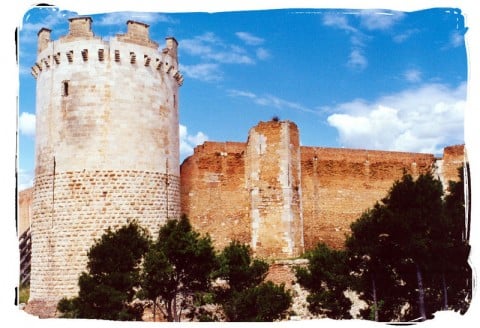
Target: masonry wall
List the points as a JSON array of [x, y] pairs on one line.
[[339, 184], [453, 158], [272, 174], [213, 192], [335, 187], [106, 146]]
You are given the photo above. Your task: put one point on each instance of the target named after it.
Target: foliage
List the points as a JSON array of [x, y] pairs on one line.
[[107, 289], [24, 293], [407, 256], [246, 297], [410, 249], [326, 278], [177, 268]]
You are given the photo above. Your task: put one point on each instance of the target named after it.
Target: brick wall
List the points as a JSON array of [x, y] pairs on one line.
[[339, 184], [453, 158], [213, 192]]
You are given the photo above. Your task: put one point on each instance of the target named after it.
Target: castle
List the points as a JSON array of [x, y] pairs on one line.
[[107, 151]]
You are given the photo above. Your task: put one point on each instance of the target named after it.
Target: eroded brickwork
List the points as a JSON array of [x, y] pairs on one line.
[[272, 174], [453, 158], [107, 151], [335, 187], [339, 184], [212, 193]]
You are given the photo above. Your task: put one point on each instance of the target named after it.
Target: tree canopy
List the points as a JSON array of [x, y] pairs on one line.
[[407, 256], [246, 297], [107, 289], [177, 268]]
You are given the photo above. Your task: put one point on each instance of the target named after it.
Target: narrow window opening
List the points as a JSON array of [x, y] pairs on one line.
[[117, 56], [70, 56], [65, 88], [147, 60], [101, 55], [85, 55]]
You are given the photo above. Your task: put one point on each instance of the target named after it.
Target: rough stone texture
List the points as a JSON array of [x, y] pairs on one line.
[[107, 151], [213, 194], [107, 147], [336, 186], [339, 184], [272, 178], [453, 158]]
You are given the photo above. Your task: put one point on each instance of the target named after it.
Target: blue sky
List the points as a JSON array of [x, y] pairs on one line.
[[374, 79]]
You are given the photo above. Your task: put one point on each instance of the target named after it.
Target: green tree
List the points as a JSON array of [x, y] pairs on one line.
[[107, 289], [327, 277], [177, 269], [416, 207], [451, 250], [372, 259], [412, 249], [246, 297]]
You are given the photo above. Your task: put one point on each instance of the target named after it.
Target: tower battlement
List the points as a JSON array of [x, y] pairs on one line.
[[81, 47]]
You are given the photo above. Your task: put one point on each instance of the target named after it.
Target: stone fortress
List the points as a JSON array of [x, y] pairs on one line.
[[107, 151]]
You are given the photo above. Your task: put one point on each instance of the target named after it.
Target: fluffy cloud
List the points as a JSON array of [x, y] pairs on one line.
[[26, 124], [357, 60], [203, 72], [188, 141], [379, 20], [422, 120], [209, 46], [370, 20]]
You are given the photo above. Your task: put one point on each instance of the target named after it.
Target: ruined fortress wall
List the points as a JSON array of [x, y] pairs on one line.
[[272, 174], [213, 192], [106, 146], [453, 158], [339, 184]]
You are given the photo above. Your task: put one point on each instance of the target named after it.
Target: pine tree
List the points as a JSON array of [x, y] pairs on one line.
[[107, 289]]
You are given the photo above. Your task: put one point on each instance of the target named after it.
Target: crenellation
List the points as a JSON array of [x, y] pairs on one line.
[[118, 115]]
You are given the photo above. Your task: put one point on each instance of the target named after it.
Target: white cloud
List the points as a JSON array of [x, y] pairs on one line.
[[143, 17], [263, 54], [424, 119], [204, 72], [402, 37], [338, 21], [270, 101], [456, 39], [26, 124], [209, 47], [357, 60], [379, 20], [249, 39], [412, 75], [188, 141]]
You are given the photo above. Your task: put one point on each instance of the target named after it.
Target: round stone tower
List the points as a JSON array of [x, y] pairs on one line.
[[107, 146]]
